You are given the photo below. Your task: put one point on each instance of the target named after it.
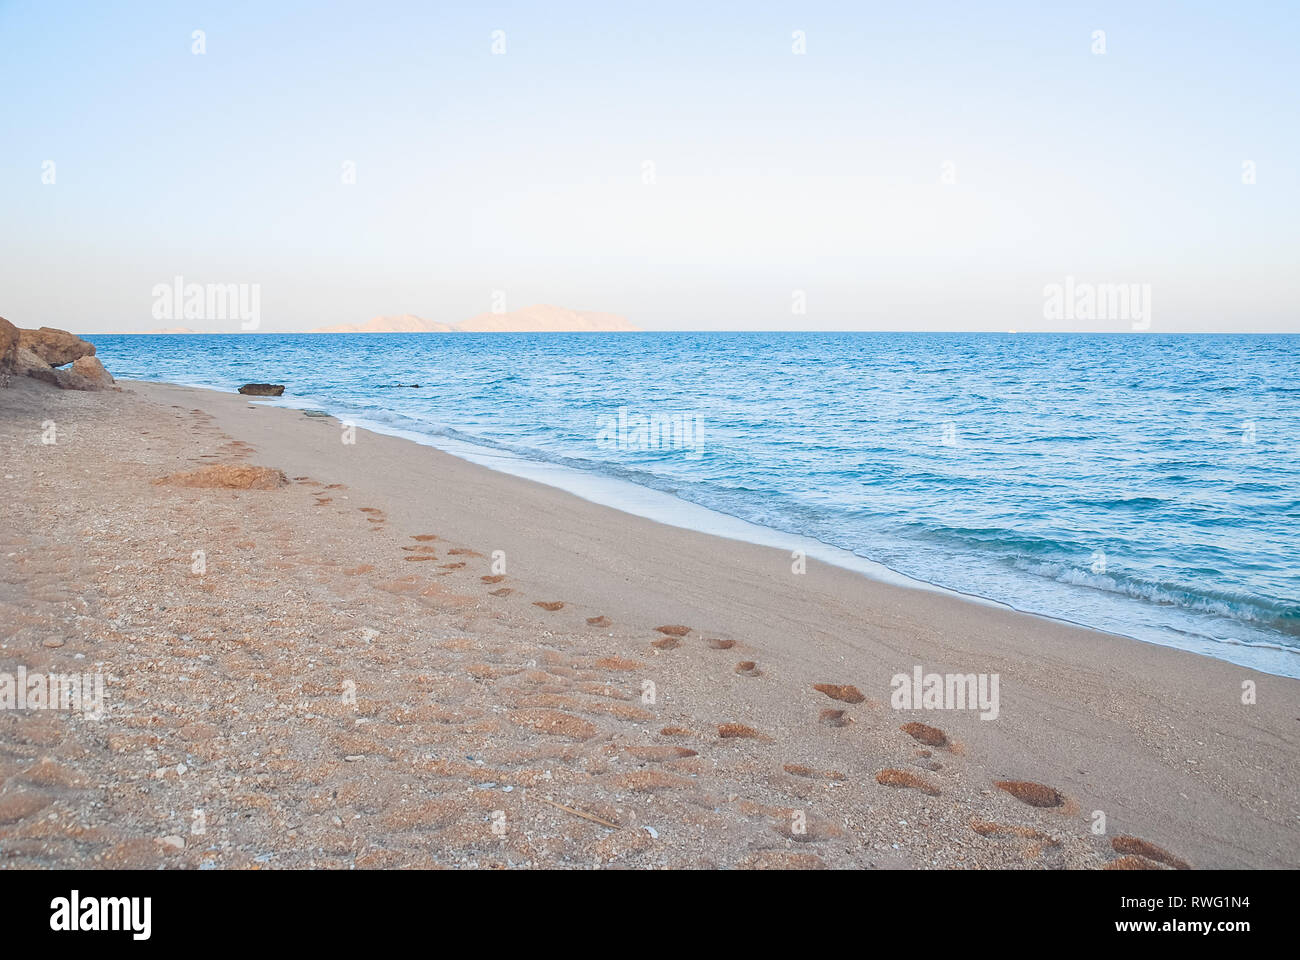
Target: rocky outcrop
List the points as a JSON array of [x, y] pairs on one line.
[[86, 373], [8, 346], [40, 353], [55, 347], [262, 389], [28, 364]]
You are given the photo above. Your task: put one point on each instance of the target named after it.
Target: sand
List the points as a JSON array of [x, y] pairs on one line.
[[345, 677]]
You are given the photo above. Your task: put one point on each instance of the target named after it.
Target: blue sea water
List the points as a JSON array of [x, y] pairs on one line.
[[1143, 484]]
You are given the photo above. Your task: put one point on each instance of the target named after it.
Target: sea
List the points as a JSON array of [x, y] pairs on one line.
[[1146, 485]]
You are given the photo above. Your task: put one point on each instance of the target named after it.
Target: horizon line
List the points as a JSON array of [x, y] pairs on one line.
[[498, 333]]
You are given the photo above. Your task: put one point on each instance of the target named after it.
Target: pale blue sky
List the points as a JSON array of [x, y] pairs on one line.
[[774, 172]]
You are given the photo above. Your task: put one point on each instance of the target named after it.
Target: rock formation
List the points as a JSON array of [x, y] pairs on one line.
[[86, 373], [40, 353], [262, 389], [55, 347], [28, 364], [8, 346]]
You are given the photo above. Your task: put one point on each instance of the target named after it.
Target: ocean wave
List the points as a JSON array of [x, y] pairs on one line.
[[1126, 503], [1284, 618]]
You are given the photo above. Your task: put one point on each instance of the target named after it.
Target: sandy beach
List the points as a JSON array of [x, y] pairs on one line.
[[336, 671]]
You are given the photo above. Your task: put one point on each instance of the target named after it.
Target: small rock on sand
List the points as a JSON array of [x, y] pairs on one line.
[[262, 389]]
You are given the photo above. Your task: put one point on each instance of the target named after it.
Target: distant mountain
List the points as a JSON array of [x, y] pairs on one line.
[[544, 318], [406, 323]]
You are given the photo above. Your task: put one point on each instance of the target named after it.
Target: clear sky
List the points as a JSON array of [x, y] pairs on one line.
[[772, 171]]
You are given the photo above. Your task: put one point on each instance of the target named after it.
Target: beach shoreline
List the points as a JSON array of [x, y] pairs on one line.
[[1155, 739], [665, 508], [1165, 526]]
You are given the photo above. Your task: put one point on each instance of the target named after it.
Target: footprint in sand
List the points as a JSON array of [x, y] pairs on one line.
[[835, 718], [729, 731], [424, 537], [925, 763], [658, 754], [1133, 846], [923, 733], [415, 558], [1034, 844], [462, 552], [718, 644], [666, 643], [648, 781], [890, 777], [840, 691], [494, 578], [799, 770], [554, 723], [1036, 794], [673, 630], [1131, 863], [934, 766], [748, 668], [453, 566], [431, 551], [551, 605], [503, 592], [601, 621], [618, 663]]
